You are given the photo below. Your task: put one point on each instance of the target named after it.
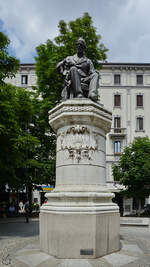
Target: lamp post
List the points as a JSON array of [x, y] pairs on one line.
[[27, 182], [27, 206]]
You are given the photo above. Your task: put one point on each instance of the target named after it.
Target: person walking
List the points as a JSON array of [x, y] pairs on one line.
[[26, 207]]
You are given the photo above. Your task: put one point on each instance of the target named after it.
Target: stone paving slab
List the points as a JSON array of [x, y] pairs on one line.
[[74, 263], [129, 255], [119, 259], [33, 258], [23, 250]]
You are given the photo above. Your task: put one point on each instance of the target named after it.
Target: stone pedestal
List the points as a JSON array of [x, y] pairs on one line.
[[80, 220]]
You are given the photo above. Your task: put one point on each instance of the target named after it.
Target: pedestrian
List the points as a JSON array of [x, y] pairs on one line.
[[27, 211], [21, 207], [12, 210], [45, 200]]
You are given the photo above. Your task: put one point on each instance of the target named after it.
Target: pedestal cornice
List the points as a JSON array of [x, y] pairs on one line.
[[80, 111]]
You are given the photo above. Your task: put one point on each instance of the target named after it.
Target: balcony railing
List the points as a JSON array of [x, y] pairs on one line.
[[118, 132]]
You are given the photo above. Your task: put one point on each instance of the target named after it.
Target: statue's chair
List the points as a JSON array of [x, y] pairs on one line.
[[67, 92]]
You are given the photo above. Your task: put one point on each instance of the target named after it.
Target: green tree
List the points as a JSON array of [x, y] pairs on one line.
[[133, 169], [50, 83], [9, 130], [8, 125], [8, 64], [46, 152], [25, 157], [18, 145], [48, 55]]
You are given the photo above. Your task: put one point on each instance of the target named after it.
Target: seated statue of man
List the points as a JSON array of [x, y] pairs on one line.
[[81, 79]]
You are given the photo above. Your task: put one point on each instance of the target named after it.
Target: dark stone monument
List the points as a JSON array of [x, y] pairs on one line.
[[81, 79]]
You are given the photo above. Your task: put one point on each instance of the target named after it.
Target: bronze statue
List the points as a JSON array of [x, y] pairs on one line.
[[81, 79]]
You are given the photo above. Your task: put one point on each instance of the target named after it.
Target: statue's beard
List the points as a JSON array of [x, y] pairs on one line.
[[80, 51]]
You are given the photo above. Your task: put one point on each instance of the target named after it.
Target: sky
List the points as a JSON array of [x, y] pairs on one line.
[[123, 25]]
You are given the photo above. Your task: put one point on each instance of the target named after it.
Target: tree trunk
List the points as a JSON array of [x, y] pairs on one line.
[[30, 187], [139, 208]]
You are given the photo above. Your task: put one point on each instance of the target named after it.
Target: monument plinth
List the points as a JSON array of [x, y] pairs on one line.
[[80, 220]]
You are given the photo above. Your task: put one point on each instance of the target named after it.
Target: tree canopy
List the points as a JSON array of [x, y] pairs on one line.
[[48, 55], [24, 156], [28, 144], [50, 83], [8, 64], [18, 146], [133, 169]]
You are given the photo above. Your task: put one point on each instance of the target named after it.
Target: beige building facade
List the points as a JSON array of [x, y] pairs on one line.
[[125, 91], [25, 77]]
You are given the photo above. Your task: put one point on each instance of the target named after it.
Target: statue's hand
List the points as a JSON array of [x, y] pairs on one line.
[[59, 67], [69, 63]]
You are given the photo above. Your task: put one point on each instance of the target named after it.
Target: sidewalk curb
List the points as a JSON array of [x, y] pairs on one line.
[[18, 220], [132, 221]]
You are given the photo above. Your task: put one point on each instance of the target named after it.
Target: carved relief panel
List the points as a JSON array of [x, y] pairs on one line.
[[79, 142]]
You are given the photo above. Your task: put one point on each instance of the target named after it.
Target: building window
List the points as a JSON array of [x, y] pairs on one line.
[[117, 79], [117, 100], [139, 79], [139, 100], [117, 124], [24, 79], [117, 147], [139, 123]]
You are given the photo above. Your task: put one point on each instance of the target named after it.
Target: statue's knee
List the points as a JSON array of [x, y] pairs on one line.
[[95, 75], [73, 69]]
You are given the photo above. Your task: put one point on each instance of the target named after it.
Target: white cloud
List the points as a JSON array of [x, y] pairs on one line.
[[124, 25], [126, 35], [26, 25]]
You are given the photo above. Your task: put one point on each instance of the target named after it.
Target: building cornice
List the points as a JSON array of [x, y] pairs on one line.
[[125, 66], [105, 65], [27, 66], [125, 87]]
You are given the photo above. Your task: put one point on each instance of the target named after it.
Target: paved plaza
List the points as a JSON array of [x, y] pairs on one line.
[[19, 247]]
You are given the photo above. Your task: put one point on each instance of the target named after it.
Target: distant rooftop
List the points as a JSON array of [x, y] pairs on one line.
[[27, 64]]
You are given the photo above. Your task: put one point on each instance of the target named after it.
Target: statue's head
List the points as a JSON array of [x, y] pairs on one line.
[[81, 45], [81, 41]]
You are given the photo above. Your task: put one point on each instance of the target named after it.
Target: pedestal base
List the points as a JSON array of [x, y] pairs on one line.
[[80, 220], [80, 225]]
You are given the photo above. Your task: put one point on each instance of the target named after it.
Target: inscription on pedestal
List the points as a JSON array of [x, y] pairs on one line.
[[79, 142]]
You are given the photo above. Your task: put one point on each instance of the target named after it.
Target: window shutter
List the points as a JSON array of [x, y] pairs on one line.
[[141, 123], [139, 100], [117, 122], [117, 100]]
